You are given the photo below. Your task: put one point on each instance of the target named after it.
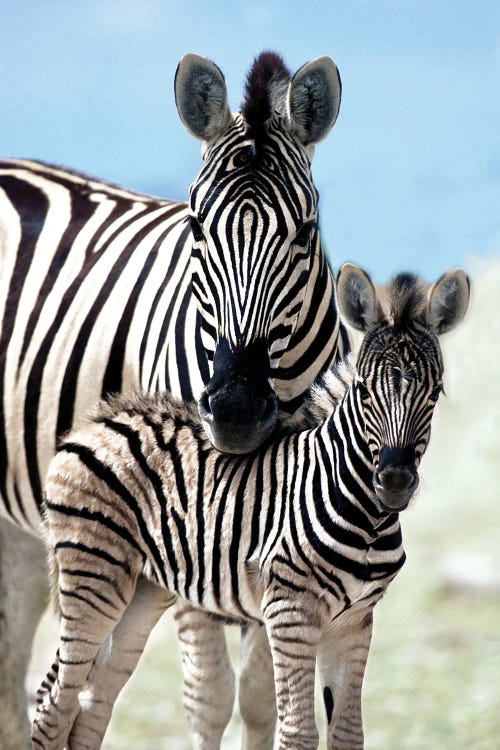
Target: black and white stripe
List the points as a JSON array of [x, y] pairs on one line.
[[303, 536], [229, 297]]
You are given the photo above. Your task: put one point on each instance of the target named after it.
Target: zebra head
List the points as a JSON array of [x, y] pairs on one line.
[[399, 368], [254, 221]]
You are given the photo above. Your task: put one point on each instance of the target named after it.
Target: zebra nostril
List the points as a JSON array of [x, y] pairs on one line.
[[204, 407], [395, 478], [270, 409]]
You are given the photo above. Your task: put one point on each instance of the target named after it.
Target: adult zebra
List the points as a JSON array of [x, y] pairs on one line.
[[312, 531], [103, 289]]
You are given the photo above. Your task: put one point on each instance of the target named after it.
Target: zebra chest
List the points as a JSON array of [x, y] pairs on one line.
[[348, 579], [368, 589]]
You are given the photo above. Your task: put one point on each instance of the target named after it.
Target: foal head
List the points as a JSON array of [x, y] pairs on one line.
[[399, 368]]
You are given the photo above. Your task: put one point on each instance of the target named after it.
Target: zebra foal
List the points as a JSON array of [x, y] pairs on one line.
[[302, 536]]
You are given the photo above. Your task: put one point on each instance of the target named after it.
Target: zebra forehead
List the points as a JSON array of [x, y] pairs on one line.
[[248, 200], [389, 346]]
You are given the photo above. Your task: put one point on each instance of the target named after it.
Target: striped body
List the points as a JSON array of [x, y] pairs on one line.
[[139, 492], [181, 507], [96, 298], [304, 536]]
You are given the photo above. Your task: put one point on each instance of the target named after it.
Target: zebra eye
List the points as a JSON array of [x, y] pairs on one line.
[[242, 158], [304, 234], [363, 390], [196, 229], [436, 392]]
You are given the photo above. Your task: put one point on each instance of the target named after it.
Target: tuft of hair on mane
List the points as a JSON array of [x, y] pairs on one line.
[[263, 80], [406, 295], [323, 396]]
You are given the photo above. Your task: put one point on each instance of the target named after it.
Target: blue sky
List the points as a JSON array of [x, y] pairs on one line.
[[410, 176]]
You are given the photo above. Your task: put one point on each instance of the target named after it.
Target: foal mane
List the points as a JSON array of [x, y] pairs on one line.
[[406, 296]]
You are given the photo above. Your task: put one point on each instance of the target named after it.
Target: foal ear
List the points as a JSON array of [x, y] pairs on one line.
[[314, 100], [448, 300], [201, 97], [357, 298]]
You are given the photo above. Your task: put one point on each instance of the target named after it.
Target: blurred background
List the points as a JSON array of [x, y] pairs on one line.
[[409, 179]]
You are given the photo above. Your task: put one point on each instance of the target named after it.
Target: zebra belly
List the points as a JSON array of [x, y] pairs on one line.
[[238, 603]]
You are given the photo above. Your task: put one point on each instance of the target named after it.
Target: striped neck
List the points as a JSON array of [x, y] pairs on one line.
[[345, 469], [318, 328], [333, 520]]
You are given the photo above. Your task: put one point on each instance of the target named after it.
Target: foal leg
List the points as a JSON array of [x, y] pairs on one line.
[[93, 594], [208, 675], [342, 654], [293, 629], [115, 663], [256, 693]]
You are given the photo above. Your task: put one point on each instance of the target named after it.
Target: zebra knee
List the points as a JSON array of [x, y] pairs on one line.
[[208, 700]]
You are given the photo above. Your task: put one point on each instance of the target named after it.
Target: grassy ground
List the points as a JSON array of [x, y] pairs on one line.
[[433, 677]]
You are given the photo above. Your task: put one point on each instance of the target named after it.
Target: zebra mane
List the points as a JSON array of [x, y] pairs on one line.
[[324, 396], [264, 88], [406, 296], [162, 405]]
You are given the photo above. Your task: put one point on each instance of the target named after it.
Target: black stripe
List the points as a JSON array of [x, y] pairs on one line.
[[238, 529], [234, 466], [105, 474], [200, 520], [182, 537], [95, 515], [168, 313], [94, 552]]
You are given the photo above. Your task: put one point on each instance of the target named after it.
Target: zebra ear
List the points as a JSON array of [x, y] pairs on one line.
[[314, 100], [357, 298], [201, 97], [448, 300]]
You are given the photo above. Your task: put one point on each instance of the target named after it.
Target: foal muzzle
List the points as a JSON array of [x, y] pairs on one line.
[[395, 480]]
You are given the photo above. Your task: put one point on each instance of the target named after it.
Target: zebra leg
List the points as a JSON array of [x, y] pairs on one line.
[[49, 680], [294, 632], [115, 662], [93, 595], [342, 654], [257, 698], [24, 594], [208, 675]]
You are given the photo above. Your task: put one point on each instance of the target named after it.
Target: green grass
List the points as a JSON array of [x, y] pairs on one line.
[[433, 676]]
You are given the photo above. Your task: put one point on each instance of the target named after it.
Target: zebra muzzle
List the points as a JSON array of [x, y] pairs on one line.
[[237, 420], [238, 406], [395, 486]]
